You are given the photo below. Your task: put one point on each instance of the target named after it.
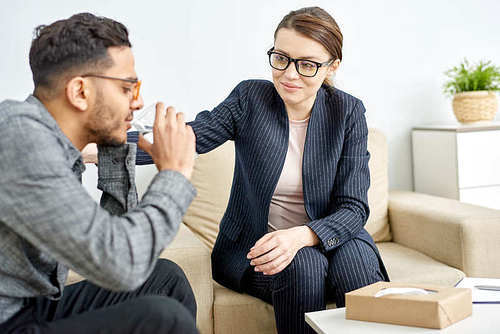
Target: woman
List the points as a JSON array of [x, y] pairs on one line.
[[292, 234]]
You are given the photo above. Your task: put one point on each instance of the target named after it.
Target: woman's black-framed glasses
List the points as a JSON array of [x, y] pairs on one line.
[[137, 83], [304, 67]]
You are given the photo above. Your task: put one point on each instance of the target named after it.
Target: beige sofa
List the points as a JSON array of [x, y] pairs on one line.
[[422, 239]]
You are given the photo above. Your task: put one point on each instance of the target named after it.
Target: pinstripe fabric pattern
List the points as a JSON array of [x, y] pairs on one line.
[[335, 170], [313, 279]]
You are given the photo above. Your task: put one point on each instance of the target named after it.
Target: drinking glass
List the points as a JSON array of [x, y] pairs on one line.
[[144, 119]]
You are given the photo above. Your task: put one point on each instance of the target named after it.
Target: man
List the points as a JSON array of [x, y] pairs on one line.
[[86, 91]]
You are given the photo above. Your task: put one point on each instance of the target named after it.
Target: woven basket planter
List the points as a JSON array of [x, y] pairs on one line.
[[475, 106]]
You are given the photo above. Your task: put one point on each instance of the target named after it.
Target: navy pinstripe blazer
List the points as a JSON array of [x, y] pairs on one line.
[[335, 171]]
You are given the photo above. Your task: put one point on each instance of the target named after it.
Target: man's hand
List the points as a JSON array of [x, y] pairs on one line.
[[173, 142], [274, 251], [89, 154]]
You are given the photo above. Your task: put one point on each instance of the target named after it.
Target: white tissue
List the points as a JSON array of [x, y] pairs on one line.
[[403, 291]]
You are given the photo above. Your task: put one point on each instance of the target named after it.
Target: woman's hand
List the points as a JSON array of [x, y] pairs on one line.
[[274, 251], [89, 154]]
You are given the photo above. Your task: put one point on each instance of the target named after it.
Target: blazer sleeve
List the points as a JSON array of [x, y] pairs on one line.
[[212, 128], [352, 180], [224, 122]]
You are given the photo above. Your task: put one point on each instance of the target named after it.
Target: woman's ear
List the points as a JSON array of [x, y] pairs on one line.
[[333, 67], [77, 93]]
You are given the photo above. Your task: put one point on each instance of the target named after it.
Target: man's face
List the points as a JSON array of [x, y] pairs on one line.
[[111, 112]]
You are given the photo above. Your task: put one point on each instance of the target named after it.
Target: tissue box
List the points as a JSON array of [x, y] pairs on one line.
[[437, 310]]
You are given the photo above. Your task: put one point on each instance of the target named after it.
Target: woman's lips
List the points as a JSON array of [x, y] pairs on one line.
[[290, 87]]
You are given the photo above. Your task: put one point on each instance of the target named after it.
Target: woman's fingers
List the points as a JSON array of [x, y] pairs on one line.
[[268, 257], [145, 145], [264, 247], [275, 266]]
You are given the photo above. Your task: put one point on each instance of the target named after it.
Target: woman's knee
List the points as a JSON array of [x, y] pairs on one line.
[[309, 264], [355, 261]]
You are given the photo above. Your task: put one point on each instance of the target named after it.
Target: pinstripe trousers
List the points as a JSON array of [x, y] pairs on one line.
[[312, 279]]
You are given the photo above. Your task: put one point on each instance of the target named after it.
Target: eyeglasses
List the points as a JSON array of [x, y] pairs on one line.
[[306, 68], [136, 82]]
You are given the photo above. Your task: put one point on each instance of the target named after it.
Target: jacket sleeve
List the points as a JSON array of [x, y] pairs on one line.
[[352, 180], [224, 122]]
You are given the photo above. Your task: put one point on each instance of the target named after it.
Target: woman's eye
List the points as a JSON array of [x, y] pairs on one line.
[[307, 66], [281, 58], [126, 90]]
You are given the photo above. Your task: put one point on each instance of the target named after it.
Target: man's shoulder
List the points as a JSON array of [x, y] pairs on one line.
[[24, 121], [12, 111]]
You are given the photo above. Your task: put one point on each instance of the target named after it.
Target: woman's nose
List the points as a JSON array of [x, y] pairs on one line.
[[291, 71]]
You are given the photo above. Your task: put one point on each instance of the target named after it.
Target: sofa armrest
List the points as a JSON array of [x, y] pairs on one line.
[[193, 257], [461, 235]]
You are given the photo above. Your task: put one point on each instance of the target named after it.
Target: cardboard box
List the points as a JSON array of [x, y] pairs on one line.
[[437, 310]]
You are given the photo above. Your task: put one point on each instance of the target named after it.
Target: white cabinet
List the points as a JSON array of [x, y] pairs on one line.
[[460, 162]]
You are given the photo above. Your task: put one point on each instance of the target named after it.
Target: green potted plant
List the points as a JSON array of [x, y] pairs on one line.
[[473, 88]]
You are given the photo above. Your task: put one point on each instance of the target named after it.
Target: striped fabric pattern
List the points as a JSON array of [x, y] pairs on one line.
[[313, 279]]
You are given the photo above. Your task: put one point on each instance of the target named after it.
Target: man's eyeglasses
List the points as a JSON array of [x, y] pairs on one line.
[[307, 68], [137, 83]]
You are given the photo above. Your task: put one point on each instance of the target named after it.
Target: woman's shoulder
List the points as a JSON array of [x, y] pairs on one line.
[[335, 94], [256, 87], [339, 99], [256, 92], [257, 83]]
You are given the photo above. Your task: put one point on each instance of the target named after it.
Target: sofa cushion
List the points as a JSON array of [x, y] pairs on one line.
[[378, 194], [213, 175], [410, 266]]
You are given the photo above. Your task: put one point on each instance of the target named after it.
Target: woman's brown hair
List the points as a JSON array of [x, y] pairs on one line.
[[318, 25]]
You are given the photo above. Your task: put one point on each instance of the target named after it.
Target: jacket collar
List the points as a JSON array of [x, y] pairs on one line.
[[72, 153]]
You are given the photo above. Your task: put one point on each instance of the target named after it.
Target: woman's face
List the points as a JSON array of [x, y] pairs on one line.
[[298, 91]]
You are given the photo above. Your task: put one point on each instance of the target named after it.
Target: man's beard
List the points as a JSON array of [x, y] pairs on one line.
[[101, 126]]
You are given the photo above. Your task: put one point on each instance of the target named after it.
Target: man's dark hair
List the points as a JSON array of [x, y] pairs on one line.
[[75, 44]]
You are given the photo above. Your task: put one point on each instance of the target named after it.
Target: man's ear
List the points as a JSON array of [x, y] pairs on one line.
[[77, 93]]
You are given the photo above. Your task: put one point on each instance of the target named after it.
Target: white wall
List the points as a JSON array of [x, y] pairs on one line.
[[192, 53]]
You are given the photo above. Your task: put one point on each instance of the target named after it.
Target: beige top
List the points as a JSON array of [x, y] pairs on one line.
[[287, 204]]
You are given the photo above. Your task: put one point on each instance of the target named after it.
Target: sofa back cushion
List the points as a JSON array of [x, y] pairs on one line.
[[213, 175], [378, 194]]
